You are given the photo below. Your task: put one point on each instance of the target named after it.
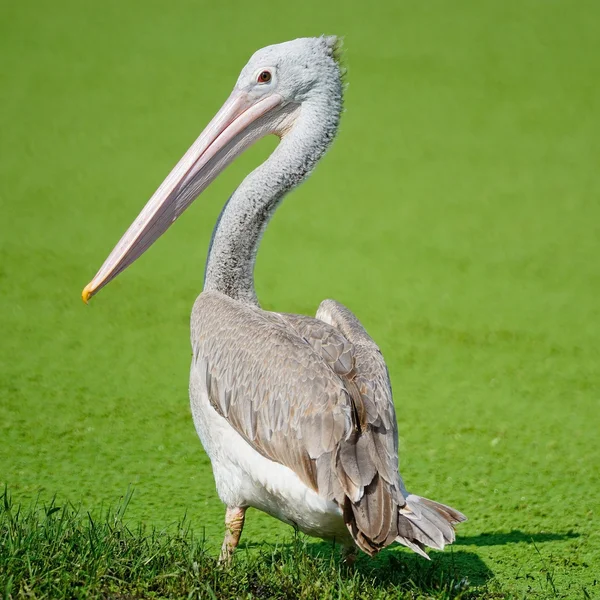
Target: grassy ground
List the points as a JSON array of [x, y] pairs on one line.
[[457, 215], [108, 559]]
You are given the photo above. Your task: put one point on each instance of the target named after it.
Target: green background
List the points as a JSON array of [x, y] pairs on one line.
[[457, 215]]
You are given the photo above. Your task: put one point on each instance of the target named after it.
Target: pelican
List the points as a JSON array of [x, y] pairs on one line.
[[295, 413]]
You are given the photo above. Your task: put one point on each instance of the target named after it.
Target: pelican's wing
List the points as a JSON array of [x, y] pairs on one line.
[[422, 521], [338, 336]]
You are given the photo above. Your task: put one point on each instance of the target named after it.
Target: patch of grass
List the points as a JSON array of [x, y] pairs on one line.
[[56, 551]]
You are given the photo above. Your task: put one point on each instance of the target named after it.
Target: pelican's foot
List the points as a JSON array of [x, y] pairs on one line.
[[234, 523], [349, 555]]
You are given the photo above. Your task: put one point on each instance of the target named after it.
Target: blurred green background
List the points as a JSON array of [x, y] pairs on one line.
[[457, 214]]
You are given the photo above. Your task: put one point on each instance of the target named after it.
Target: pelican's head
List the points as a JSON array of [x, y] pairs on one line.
[[268, 98], [296, 71]]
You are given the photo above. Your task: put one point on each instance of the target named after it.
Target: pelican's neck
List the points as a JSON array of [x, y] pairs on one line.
[[237, 234]]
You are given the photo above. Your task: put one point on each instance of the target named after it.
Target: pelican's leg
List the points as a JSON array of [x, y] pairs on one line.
[[349, 555], [234, 523]]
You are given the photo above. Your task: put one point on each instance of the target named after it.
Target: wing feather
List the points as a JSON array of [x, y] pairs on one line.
[[367, 466]]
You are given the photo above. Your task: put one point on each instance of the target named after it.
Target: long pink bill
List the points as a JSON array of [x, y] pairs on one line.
[[232, 130]]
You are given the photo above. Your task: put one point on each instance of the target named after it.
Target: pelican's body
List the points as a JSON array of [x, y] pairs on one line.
[[295, 413], [246, 478], [243, 476]]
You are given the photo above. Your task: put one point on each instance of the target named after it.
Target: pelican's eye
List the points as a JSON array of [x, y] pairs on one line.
[[264, 77]]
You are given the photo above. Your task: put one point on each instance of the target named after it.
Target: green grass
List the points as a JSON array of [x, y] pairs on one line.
[[457, 215], [108, 559]]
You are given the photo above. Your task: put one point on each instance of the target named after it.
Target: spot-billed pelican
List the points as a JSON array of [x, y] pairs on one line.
[[295, 413]]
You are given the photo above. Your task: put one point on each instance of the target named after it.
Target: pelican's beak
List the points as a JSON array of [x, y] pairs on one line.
[[242, 120]]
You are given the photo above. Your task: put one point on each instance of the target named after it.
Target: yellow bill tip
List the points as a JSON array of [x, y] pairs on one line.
[[86, 294]]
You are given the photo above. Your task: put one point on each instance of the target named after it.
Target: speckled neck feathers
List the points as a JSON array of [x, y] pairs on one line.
[[237, 235]]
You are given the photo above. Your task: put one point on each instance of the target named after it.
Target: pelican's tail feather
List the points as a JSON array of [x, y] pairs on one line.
[[423, 522]]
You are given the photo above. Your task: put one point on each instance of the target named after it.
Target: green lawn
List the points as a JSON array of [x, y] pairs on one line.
[[457, 215]]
